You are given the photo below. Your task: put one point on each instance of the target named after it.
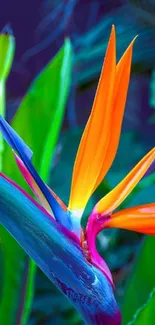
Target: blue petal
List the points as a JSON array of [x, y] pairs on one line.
[[13, 139], [25, 153], [60, 257]]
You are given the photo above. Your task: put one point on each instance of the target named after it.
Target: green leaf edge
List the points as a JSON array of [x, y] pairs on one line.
[[142, 308]]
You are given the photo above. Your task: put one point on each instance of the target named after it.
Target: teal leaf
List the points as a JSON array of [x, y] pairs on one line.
[[130, 21], [152, 90]]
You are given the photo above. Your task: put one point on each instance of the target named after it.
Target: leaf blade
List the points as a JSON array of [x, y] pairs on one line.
[[141, 281]]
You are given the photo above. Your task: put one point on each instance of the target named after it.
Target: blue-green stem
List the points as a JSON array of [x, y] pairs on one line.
[[2, 113]]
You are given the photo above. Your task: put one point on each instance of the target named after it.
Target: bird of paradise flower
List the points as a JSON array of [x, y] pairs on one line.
[[89, 282]]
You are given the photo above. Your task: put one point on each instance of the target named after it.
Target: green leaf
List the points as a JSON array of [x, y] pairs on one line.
[[142, 280], [145, 314], [38, 122], [7, 48]]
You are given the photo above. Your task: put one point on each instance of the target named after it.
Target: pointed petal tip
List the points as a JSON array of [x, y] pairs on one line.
[[127, 55], [133, 41], [151, 152], [113, 28], [112, 33], [130, 47], [7, 30]]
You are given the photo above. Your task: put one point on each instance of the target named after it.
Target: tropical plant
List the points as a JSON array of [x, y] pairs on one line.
[[51, 232]]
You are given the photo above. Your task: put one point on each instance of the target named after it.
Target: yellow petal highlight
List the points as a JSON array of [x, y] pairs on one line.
[[140, 218], [93, 145], [123, 69], [114, 198]]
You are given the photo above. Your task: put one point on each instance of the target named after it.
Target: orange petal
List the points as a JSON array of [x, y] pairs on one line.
[[93, 145], [121, 88], [140, 218], [114, 198], [35, 188]]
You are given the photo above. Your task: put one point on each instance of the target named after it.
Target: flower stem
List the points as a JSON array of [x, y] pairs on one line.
[[2, 113]]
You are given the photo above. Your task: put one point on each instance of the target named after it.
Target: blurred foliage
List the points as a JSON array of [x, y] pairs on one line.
[[88, 24]]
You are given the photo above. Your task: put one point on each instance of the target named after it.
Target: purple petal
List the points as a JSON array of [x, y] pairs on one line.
[[13, 139]]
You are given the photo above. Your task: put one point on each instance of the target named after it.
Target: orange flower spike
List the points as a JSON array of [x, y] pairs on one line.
[[93, 145], [107, 147], [123, 69], [115, 197], [140, 218]]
